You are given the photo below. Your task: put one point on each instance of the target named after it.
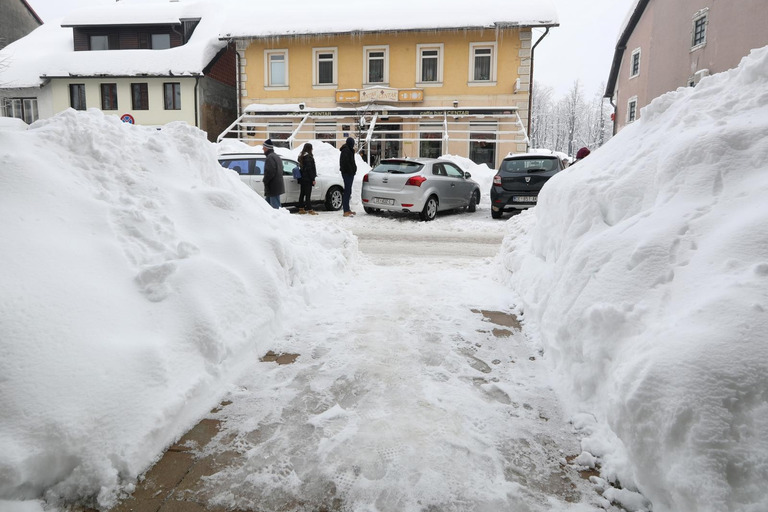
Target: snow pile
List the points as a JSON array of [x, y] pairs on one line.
[[645, 269], [137, 278]]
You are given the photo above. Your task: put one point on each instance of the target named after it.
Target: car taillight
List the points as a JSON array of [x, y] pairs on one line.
[[365, 178], [416, 181], [497, 180]]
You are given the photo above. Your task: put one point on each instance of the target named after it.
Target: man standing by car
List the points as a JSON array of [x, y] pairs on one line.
[[348, 168], [273, 175]]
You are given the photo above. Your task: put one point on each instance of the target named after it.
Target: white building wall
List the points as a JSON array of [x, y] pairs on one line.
[[155, 116]]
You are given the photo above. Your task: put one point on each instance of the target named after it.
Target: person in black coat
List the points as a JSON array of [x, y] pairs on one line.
[[348, 168], [307, 180], [273, 175]]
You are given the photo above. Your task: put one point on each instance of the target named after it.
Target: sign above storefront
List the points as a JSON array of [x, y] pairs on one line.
[[410, 95], [348, 96], [379, 95]]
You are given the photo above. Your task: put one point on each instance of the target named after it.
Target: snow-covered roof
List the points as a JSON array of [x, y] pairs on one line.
[[49, 50], [306, 17], [133, 13]]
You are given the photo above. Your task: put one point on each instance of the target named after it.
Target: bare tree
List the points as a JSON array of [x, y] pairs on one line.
[[569, 123], [541, 111]]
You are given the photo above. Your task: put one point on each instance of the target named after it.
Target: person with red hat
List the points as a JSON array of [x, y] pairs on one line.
[[582, 153]]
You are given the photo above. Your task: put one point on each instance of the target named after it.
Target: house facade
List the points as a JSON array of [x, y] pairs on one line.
[[453, 83], [17, 19], [148, 67], [666, 44]]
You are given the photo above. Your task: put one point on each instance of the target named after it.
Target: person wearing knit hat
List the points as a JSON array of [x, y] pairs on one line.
[[582, 153], [273, 175]]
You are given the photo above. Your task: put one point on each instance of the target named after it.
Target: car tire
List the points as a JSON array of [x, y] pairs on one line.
[[368, 209], [496, 214], [430, 209], [472, 208], [333, 199]]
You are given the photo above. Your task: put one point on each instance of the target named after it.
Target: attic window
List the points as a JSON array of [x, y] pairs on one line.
[[161, 41], [99, 43]]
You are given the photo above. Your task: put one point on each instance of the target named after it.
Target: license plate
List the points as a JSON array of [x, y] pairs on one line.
[[382, 200], [524, 199]]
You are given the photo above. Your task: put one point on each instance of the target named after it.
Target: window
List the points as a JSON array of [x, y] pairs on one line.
[[453, 171], [430, 64], [245, 166], [482, 143], [161, 41], [326, 132], [279, 133], [21, 108], [431, 140], [376, 64], [276, 68], [99, 43], [482, 66], [172, 96], [634, 68], [77, 96], [632, 109], [139, 97], [108, 96], [324, 65], [699, 29]]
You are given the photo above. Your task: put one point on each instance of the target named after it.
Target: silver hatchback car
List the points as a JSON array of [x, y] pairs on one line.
[[422, 185]]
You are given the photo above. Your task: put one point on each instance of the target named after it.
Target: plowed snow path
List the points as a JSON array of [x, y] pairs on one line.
[[406, 396]]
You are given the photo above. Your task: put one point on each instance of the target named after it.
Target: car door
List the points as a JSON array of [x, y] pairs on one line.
[[251, 173], [442, 184], [461, 187], [292, 186]]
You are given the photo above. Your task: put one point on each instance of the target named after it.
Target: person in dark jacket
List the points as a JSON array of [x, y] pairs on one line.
[[348, 168], [307, 181], [273, 175]]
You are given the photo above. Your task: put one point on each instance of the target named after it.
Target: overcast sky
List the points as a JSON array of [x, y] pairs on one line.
[[581, 48]]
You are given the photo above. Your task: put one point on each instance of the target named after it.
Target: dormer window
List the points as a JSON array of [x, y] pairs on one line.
[[100, 42], [161, 41], [142, 37]]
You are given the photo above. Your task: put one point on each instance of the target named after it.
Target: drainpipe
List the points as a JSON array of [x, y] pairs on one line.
[[238, 83], [197, 102], [530, 88]]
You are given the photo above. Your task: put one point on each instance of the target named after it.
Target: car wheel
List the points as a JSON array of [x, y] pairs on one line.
[[368, 209], [496, 214], [430, 209], [473, 203], [333, 199]]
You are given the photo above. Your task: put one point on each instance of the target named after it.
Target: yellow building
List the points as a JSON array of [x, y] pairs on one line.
[[402, 78]]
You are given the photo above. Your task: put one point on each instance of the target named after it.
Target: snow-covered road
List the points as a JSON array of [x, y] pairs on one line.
[[406, 396]]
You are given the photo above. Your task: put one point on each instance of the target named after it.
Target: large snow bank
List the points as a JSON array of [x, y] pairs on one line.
[[137, 276], [645, 269]]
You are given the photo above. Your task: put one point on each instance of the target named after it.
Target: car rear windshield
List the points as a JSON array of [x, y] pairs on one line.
[[526, 165], [398, 167]]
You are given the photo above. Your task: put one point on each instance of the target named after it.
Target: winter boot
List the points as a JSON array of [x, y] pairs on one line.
[[312, 212], [302, 211]]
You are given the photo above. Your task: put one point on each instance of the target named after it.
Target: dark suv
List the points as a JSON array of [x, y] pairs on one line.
[[517, 184]]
